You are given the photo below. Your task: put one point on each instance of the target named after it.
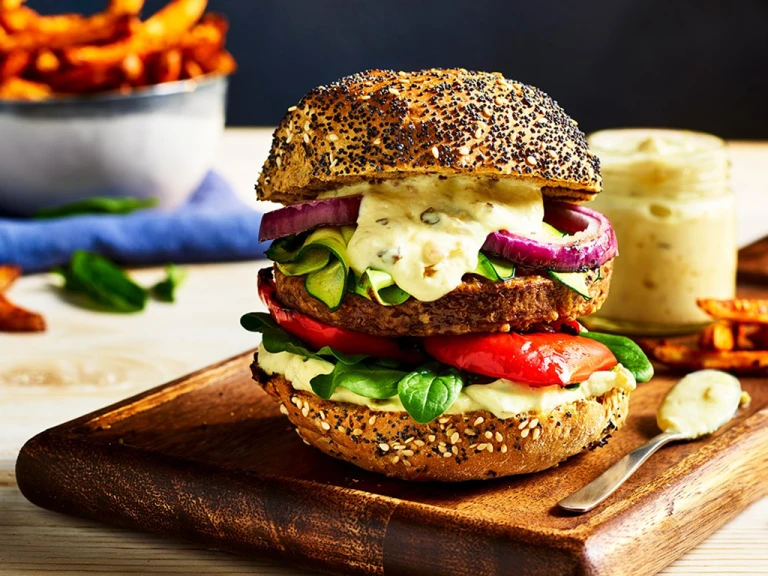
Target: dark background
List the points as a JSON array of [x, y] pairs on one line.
[[698, 64]]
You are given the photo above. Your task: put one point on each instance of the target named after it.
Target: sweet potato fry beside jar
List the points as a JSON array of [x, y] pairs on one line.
[[12, 317], [44, 56], [736, 342]]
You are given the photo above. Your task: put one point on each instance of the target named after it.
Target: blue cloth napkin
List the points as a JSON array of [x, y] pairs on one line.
[[213, 226]]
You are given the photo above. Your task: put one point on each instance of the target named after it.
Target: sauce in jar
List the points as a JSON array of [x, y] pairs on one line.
[[667, 194]]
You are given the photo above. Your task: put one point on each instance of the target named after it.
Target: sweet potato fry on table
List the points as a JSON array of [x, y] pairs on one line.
[[46, 62], [751, 311], [10, 4], [717, 336], [13, 64], [132, 7], [8, 275], [683, 357], [20, 89], [15, 319], [168, 66], [64, 31], [18, 20]]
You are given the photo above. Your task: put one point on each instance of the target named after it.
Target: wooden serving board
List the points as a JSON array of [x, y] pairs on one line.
[[209, 458]]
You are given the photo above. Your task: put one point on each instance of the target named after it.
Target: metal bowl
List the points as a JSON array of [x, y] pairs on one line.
[[156, 142]]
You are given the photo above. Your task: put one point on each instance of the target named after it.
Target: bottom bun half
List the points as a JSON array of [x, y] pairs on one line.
[[453, 448]]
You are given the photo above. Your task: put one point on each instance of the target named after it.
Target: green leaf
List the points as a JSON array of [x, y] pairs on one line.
[[105, 283], [258, 322], [98, 205], [364, 378], [165, 290], [627, 353], [425, 394]]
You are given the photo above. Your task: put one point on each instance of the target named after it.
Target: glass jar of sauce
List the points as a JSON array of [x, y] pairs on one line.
[[667, 194]]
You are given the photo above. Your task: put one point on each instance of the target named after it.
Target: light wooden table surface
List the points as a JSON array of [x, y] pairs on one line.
[[88, 360]]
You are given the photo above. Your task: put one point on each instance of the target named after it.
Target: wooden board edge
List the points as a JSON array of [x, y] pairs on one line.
[[337, 532], [666, 518]]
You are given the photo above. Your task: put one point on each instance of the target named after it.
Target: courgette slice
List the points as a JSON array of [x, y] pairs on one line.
[[312, 259], [495, 269], [380, 287], [551, 231], [286, 249], [576, 281], [328, 285]]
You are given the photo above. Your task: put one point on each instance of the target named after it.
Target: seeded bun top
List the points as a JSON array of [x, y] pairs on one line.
[[385, 124]]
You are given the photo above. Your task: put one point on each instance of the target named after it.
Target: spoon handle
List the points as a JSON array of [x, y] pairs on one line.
[[600, 488]]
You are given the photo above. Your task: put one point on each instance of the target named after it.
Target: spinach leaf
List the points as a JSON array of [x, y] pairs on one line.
[[627, 353], [364, 378], [165, 290], [425, 394], [105, 283], [258, 322], [98, 205]]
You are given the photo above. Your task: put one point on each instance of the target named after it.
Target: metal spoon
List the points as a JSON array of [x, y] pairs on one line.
[[699, 404]]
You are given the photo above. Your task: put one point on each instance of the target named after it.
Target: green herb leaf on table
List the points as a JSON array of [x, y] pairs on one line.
[[104, 282], [426, 394], [165, 290], [97, 205], [627, 353]]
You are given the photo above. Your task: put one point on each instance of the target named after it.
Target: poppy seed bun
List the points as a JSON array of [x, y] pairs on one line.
[[392, 443], [384, 124], [477, 305]]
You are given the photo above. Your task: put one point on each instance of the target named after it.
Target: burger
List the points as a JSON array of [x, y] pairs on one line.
[[430, 264]]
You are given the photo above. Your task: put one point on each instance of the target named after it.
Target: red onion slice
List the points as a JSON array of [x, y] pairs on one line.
[[341, 211], [591, 241]]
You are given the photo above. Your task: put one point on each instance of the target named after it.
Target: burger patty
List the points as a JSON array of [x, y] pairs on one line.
[[478, 305]]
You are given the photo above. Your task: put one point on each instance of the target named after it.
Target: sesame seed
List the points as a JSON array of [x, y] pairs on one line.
[[488, 434], [278, 161], [435, 152], [500, 101], [407, 452], [478, 133], [442, 449], [371, 420], [332, 137], [463, 150], [384, 447], [341, 429], [365, 97], [305, 411], [455, 438], [357, 432], [395, 459], [447, 455], [472, 446], [325, 425], [523, 424], [283, 410], [322, 415], [398, 446], [487, 112], [470, 432], [419, 442], [306, 126], [552, 154], [289, 138], [406, 464], [503, 448], [524, 433], [394, 91], [401, 73], [306, 138], [481, 447], [431, 437], [442, 426], [531, 160], [455, 450], [408, 440], [533, 423], [536, 433], [443, 420], [479, 420], [441, 444], [292, 109], [499, 437], [489, 448], [377, 142]]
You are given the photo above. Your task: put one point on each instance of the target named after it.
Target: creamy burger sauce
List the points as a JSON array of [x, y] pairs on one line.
[[502, 398], [700, 403], [426, 232]]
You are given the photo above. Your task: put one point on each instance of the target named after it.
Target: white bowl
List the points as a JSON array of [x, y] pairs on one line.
[[156, 142]]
